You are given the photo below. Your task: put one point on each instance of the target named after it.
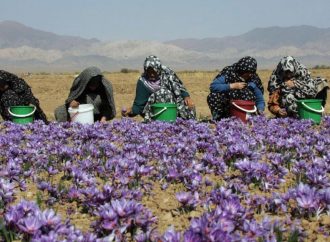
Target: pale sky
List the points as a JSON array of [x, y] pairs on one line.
[[163, 20]]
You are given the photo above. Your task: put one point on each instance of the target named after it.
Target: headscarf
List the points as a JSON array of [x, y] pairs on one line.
[[80, 83], [154, 63], [167, 77], [3, 81], [288, 63], [15, 83], [304, 85], [245, 64]]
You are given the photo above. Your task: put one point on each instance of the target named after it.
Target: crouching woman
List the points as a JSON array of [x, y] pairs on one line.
[[159, 84], [90, 87], [289, 82], [236, 82], [14, 91]]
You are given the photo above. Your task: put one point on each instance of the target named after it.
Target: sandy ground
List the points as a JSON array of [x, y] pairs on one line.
[[53, 89]]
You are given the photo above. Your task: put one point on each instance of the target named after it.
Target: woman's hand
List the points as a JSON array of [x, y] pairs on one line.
[[188, 101], [289, 83], [74, 104], [260, 112], [237, 85], [282, 112], [127, 112]]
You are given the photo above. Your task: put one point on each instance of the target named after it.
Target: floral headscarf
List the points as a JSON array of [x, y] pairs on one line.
[[153, 62], [287, 63], [245, 64], [167, 77]]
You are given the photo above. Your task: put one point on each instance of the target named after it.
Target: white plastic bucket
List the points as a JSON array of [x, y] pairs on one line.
[[83, 114]]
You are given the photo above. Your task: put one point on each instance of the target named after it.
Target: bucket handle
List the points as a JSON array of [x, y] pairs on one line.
[[161, 111], [73, 117], [312, 109], [243, 109], [22, 115]]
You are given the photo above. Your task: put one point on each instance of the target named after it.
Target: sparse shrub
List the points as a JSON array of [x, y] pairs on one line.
[[317, 67], [126, 70]]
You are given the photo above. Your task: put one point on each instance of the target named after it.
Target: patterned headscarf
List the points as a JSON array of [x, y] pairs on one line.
[[153, 62], [167, 77], [15, 83], [287, 63], [245, 64]]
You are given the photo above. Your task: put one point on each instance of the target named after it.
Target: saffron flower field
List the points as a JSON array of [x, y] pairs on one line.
[[267, 180]]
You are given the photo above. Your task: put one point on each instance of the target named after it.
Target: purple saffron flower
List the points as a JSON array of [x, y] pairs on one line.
[[43, 185], [109, 225], [307, 198], [74, 193], [171, 236], [12, 216], [107, 212], [232, 206], [191, 236], [27, 207], [6, 191], [226, 224], [184, 198], [51, 236], [30, 224], [172, 174], [307, 201], [123, 207], [49, 218]]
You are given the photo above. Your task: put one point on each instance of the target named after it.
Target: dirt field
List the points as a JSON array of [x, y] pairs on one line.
[[53, 89]]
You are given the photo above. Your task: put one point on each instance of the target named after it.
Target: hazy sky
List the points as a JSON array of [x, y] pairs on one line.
[[162, 20]]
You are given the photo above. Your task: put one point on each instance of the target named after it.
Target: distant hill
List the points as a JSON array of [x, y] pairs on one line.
[[262, 39], [25, 48], [13, 35]]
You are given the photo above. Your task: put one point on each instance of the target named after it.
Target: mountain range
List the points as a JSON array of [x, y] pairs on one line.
[[23, 48]]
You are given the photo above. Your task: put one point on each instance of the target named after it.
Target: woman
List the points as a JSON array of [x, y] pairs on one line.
[[90, 87], [14, 91], [159, 84], [238, 81], [289, 82]]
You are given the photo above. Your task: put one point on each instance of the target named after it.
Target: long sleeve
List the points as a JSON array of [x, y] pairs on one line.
[[219, 85], [142, 95], [184, 94], [260, 101]]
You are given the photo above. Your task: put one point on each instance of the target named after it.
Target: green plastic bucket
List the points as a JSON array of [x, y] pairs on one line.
[[22, 114], [164, 112], [310, 109]]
